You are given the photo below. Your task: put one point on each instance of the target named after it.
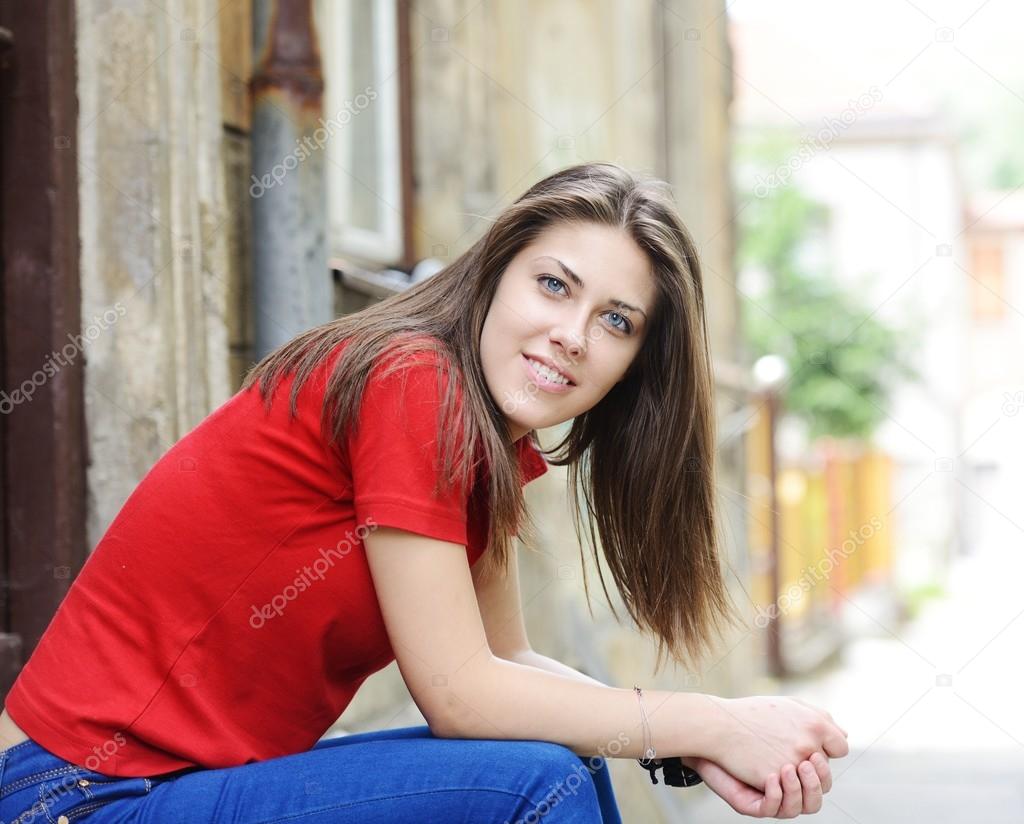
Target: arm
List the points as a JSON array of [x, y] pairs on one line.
[[529, 658], [500, 602], [464, 690], [498, 596], [425, 590], [500, 605], [779, 798]]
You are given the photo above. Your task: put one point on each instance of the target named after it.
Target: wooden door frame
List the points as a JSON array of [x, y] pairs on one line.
[[42, 437]]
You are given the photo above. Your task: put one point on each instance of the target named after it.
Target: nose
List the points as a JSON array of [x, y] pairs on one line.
[[574, 344]]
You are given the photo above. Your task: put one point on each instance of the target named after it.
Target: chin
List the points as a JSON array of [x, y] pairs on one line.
[[531, 424], [523, 426], [527, 426]]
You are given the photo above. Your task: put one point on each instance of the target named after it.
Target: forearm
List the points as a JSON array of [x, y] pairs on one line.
[[496, 698], [533, 659]]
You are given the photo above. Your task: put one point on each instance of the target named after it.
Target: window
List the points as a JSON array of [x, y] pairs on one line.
[[359, 50]]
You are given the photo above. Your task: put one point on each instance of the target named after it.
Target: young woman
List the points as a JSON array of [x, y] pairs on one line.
[[356, 503]]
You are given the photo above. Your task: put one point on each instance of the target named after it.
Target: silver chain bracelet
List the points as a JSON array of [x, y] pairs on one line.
[[648, 739]]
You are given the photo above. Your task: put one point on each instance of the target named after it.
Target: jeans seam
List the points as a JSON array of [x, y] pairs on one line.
[[46, 807], [21, 783], [24, 743]]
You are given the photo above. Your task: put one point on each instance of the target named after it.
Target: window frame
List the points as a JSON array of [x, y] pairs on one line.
[[386, 244]]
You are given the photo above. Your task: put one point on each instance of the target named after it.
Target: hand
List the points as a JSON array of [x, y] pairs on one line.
[[800, 789], [757, 736]]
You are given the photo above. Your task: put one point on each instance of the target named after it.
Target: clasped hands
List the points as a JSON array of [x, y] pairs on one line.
[[766, 727]]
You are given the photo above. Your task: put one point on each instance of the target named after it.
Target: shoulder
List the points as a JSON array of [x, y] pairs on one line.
[[412, 391], [416, 369]]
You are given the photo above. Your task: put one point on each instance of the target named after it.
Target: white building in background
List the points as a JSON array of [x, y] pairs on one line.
[[896, 213], [992, 475], [894, 237], [862, 98]]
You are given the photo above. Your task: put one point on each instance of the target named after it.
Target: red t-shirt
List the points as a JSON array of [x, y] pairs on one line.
[[228, 614]]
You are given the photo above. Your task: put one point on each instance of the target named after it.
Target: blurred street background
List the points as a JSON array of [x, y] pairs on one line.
[[188, 183]]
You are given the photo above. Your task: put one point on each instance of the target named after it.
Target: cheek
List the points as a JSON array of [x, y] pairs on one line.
[[507, 316], [610, 357], [497, 347]]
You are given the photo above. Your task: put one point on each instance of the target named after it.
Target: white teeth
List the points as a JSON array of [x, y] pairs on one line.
[[547, 372]]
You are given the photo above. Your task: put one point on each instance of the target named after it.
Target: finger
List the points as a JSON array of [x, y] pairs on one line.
[[835, 746], [820, 763], [811, 787], [793, 797], [743, 798], [835, 723], [772, 797]]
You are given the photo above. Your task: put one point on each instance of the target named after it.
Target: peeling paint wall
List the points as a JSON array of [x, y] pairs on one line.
[[155, 227]]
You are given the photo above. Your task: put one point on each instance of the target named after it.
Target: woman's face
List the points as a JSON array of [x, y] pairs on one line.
[[588, 330]]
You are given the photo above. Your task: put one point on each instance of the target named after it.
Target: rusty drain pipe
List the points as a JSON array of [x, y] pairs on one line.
[[292, 284]]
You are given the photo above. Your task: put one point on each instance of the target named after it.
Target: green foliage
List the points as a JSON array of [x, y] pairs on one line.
[[843, 360], [919, 597], [988, 138]]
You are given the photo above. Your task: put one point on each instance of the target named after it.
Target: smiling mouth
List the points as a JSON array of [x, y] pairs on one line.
[[546, 376]]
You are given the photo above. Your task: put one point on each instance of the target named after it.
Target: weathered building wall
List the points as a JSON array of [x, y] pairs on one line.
[[236, 61], [155, 228]]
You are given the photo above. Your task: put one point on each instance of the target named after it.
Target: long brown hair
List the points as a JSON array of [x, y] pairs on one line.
[[643, 457]]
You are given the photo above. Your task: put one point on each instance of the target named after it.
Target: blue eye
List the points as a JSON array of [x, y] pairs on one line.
[[543, 278], [628, 328]]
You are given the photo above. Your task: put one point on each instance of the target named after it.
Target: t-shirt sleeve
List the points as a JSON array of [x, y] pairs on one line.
[[395, 455]]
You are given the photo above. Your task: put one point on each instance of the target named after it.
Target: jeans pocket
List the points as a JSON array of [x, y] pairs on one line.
[[97, 790], [15, 785], [79, 792]]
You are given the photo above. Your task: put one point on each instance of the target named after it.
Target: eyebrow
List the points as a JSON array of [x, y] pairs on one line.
[[619, 304]]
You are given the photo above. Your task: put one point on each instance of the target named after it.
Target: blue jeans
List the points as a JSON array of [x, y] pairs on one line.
[[372, 778]]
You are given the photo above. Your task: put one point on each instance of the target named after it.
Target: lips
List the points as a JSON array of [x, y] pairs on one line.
[[536, 378], [551, 365]]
